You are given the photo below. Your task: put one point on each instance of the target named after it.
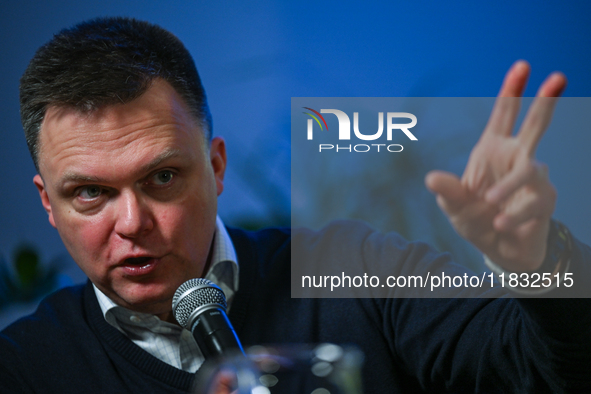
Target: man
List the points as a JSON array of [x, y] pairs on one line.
[[118, 127]]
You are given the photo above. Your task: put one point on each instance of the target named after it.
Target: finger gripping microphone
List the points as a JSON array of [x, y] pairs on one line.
[[199, 305]]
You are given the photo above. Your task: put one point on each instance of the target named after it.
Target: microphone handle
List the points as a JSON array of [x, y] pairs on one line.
[[214, 333]]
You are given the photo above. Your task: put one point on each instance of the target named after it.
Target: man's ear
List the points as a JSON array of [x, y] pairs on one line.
[[38, 181], [217, 155]]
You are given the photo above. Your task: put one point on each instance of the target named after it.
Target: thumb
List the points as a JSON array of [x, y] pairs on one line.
[[451, 194]]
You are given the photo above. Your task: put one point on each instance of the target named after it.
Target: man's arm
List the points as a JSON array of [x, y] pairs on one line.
[[503, 205]]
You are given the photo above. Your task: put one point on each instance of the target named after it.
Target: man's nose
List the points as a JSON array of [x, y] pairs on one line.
[[133, 217]]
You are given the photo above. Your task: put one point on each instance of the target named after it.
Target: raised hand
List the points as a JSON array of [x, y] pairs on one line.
[[504, 200]]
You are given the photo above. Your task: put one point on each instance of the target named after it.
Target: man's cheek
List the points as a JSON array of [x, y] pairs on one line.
[[175, 221], [85, 242]]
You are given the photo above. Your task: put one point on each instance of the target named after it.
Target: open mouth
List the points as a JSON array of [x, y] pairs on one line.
[[139, 265], [138, 261]]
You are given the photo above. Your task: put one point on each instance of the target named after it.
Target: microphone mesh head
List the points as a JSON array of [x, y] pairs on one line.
[[193, 294]]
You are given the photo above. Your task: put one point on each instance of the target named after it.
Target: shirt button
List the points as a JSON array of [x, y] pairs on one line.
[[135, 319]]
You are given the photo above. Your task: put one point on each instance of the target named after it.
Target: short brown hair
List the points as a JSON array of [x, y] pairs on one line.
[[102, 62]]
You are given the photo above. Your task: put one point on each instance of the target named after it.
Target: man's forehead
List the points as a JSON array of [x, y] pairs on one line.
[[158, 113]]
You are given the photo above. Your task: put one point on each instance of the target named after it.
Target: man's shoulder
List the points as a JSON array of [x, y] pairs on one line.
[[336, 236], [343, 229], [336, 228], [344, 240], [55, 312], [260, 234], [264, 247], [271, 238]]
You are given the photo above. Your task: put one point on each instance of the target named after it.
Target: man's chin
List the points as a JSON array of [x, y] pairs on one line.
[[153, 299]]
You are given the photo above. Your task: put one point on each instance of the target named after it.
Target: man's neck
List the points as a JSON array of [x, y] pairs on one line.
[[169, 316]]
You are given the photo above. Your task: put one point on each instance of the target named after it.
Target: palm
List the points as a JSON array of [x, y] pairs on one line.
[[504, 200]]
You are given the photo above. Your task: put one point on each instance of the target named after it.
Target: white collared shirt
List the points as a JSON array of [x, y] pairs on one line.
[[166, 341]]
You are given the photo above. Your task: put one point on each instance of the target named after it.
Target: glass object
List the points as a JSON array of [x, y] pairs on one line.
[[299, 369]]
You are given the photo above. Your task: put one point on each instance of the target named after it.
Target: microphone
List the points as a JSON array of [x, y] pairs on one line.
[[199, 305]]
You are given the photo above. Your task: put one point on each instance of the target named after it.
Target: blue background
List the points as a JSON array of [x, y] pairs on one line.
[[254, 56]]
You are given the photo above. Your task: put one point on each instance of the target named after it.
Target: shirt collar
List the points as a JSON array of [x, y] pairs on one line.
[[223, 272]]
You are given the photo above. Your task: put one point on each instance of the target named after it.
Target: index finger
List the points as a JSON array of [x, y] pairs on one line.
[[507, 104], [515, 80], [540, 112]]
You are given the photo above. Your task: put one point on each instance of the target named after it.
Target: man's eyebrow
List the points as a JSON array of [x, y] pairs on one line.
[[72, 177], [167, 154]]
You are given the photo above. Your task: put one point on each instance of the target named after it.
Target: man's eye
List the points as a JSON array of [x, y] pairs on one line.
[[90, 192], [162, 177]]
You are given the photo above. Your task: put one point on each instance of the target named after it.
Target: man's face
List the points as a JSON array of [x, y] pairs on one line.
[[132, 189]]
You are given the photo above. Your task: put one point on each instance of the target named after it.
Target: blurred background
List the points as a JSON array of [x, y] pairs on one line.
[[254, 56]]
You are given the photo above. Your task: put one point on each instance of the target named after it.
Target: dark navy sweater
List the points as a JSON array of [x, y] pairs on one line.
[[490, 345]]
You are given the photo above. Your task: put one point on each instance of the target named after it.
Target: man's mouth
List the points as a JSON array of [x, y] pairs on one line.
[[134, 266], [138, 261]]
